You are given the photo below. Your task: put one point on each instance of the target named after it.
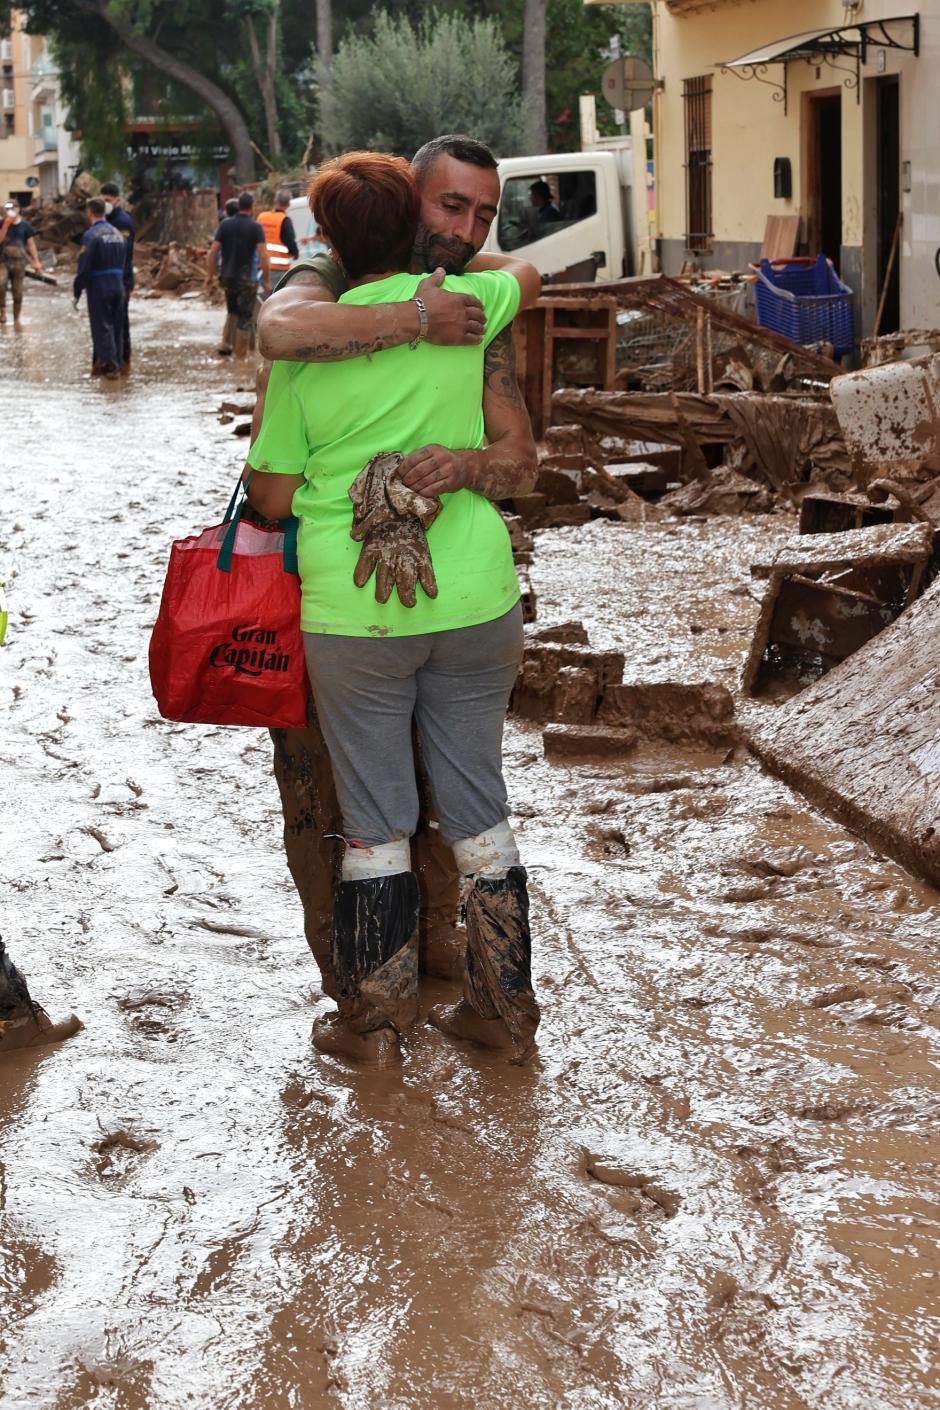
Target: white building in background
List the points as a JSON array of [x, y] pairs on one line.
[[38, 156], [56, 151]]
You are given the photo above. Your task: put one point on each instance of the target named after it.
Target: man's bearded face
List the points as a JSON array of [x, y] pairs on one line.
[[458, 206]]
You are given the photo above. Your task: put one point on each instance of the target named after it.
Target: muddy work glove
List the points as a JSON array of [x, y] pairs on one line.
[[390, 520]]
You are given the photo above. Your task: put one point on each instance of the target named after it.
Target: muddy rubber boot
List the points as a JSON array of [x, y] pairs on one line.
[[442, 943], [23, 1024], [242, 343], [228, 336], [374, 956], [498, 1009]]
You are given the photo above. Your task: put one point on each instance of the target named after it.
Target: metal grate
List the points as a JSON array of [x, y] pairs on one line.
[[697, 98]]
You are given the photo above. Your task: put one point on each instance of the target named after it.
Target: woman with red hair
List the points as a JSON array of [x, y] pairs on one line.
[[436, 639]]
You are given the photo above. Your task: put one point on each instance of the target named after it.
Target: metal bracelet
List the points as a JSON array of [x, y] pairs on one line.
[[422, 323]]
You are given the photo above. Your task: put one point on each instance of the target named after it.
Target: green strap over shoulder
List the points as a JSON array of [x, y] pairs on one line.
[[233, 517]]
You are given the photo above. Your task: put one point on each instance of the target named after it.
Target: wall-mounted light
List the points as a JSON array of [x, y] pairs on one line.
[[783, 179]]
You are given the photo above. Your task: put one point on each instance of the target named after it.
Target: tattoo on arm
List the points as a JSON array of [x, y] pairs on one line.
[[499, 368], [337, 352], [507, 467]]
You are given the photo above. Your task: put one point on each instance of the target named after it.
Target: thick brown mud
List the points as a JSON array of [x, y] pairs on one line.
[[715, 1188]]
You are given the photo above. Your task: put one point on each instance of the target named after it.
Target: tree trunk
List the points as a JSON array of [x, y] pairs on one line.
[[325, 33], [533, 77], [265, 71], [221, 104]]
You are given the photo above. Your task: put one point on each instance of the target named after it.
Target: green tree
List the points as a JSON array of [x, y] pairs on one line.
[[534, 18], [197, 44], [399, 84], [576, 38]]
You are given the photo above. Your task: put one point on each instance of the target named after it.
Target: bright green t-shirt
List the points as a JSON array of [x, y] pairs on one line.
[[325, 420]]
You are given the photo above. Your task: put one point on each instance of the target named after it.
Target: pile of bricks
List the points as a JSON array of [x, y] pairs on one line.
[[579, 694]]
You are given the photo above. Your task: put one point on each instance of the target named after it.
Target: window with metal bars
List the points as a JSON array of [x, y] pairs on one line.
[[697, 100]]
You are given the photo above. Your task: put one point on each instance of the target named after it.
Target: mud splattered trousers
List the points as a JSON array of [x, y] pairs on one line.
[[313, 826], [12, 272], [455, 685], [241, 301]]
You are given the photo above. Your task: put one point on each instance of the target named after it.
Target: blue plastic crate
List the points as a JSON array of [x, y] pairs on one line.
[[806, 301]]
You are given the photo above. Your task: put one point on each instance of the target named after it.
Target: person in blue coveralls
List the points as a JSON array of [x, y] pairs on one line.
[[119, 218], [102, 269]]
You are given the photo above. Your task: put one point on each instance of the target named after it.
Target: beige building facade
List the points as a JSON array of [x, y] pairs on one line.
[[823, 109], [38, 157]]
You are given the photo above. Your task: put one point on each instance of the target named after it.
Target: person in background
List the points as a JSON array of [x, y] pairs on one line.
[[279, 235], [540, 197], [17, 245], [227, 345], [102, 270], [237, 239], [118, 217]]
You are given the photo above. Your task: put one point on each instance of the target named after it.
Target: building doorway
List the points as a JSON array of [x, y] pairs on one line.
[[889, 198], [824, 174]]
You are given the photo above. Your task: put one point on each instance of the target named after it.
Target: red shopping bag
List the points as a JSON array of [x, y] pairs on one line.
[[227, 648]]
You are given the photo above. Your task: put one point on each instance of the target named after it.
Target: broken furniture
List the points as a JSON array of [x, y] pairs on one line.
[[694, 722], [890, 347], [828, 594], [823, 513], [666, 333], [566, 342], [864, 742], [787, 439]]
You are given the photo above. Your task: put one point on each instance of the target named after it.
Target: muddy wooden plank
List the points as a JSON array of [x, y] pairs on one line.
[[784, 434], [820, 553], [864, 742]]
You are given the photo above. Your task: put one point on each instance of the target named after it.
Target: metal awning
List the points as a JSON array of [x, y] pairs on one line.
[[824, 47]]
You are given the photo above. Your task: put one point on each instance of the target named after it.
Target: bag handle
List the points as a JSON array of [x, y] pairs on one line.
[[233, 517]]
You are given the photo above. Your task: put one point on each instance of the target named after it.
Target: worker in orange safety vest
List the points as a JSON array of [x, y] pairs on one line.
[[279, 236]]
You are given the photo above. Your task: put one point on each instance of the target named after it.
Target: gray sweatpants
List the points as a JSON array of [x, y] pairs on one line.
[[456, 685]]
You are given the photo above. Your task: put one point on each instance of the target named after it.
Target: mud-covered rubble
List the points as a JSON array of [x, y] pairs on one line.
[[670, 337], [827, 594], [160, 266], [783, 443], [865, 741], [862, 557], [579, 693]]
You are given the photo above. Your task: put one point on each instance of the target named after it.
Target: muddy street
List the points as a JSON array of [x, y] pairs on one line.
[[715, 1187]]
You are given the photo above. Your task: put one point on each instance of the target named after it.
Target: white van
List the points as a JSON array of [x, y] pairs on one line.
[[309, 240], [590, 233]]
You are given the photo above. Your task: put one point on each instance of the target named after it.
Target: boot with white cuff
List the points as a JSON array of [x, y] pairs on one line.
[[498, 1008]]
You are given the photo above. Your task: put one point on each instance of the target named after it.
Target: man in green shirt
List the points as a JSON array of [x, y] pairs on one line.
[[302, 322]]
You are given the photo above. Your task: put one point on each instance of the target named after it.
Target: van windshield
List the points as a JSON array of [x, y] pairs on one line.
[[534, 207]]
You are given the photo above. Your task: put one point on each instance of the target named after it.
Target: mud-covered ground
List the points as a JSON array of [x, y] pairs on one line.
[[715, 1188]]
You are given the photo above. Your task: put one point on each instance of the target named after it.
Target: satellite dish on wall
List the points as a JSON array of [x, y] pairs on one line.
[[628, 83]]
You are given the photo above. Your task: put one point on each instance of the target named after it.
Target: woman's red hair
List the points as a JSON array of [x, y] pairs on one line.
[[367, 204]]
